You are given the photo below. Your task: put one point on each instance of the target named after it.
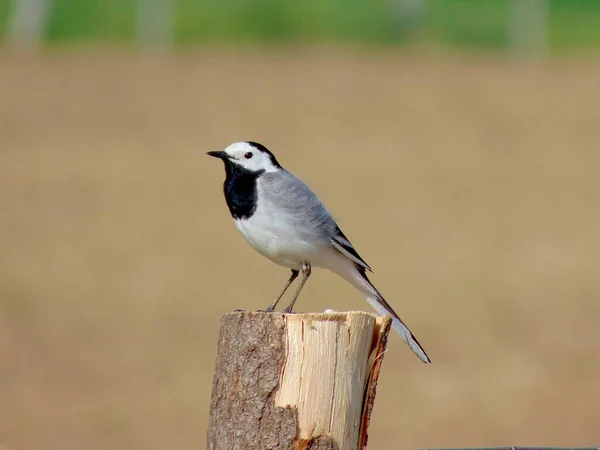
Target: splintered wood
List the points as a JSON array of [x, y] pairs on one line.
[[295, 381], [325, 373]]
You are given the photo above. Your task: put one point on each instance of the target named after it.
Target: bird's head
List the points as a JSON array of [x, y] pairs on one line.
[[251, 156]]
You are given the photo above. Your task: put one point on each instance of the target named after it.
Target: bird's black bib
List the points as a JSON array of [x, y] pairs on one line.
[[240, 190]]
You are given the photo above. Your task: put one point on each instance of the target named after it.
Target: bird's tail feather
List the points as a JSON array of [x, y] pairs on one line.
[[400, 328], [376, 300]]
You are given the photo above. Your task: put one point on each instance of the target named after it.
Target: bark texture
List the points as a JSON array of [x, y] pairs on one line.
[[298, 382]]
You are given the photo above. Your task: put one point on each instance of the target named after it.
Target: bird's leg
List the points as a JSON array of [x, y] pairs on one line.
[[287, 285], [305, 275]]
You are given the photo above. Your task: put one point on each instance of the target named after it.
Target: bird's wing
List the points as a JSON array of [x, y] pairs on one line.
[[296, 200], [345, 247]]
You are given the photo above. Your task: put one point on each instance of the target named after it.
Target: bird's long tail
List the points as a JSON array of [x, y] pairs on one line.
[[360, 280]]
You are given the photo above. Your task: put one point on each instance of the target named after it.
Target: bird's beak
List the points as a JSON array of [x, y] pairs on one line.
[[220, 154]]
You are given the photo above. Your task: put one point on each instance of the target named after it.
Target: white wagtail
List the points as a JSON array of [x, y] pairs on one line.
[[285, 221]]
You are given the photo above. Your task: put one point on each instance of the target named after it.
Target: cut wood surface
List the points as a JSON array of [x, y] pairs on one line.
[[295, 381]]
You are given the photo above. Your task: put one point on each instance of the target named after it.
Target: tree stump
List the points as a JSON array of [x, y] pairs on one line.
[[295, 381]]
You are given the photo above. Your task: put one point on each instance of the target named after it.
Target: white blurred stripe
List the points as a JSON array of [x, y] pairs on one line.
[[528, 27], [155, 23], [27, 26]]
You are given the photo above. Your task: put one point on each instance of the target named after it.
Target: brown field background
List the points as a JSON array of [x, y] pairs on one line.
[[470, 186]]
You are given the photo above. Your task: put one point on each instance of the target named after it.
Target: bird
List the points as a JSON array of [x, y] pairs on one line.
[[284, 220]]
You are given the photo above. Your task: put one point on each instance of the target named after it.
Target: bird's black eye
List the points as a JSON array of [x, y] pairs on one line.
[[248, 155]]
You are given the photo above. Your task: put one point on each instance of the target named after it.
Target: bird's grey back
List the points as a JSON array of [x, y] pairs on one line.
[[291, 201], [295, 199]]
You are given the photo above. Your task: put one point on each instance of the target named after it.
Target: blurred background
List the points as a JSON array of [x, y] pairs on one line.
[[456, 142]]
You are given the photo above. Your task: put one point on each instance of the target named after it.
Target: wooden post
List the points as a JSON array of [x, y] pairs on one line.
[[295, 381]]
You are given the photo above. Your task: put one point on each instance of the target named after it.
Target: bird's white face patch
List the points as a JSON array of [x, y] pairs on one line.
[[250, 157]]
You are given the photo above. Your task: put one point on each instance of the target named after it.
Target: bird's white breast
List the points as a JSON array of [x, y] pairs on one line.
[[276, 234]]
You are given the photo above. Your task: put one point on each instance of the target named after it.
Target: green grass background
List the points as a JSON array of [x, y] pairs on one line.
[[454, 23]]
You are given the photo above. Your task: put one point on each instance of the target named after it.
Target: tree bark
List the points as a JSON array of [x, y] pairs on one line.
[[295, 381]]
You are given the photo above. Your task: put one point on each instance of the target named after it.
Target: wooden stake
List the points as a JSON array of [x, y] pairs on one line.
[[295, 381]]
